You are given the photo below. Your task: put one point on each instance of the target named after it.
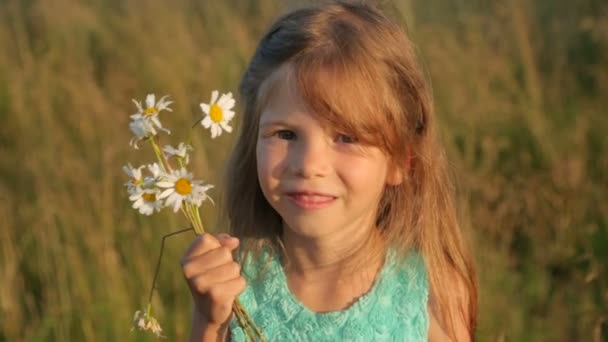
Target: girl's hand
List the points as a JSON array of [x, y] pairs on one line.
[[214, 279]]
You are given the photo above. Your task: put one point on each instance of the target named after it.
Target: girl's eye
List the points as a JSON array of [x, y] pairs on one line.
[[347, 139], [285, 135]]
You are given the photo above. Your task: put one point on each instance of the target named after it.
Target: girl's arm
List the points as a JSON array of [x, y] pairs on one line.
[[202, 332]]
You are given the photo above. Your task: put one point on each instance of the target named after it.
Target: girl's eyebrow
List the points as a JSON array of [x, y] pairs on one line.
[[273, 123]]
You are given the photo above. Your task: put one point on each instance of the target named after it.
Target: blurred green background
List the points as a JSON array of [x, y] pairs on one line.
[[521, 89]]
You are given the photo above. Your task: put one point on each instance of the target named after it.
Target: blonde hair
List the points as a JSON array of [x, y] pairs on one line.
[[358, 72]]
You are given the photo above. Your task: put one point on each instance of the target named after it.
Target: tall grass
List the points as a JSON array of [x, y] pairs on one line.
[[520, 88]]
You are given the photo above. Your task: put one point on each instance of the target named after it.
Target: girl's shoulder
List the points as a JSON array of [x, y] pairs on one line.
[[407, 268], [405, 277]]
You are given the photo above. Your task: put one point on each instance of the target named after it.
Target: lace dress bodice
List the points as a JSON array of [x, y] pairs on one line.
[[394, 309]]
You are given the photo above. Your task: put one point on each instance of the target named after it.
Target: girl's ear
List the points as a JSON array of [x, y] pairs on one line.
[[394, 176]]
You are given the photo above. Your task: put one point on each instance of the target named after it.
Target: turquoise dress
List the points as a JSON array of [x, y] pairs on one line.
[[395, 308]]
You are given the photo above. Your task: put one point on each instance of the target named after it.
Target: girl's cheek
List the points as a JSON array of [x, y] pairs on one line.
[[266, 156]]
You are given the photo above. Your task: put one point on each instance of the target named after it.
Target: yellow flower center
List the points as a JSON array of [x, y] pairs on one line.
[[216, 113], [149, 197], [150, 111], [137, 181], [183, 186]]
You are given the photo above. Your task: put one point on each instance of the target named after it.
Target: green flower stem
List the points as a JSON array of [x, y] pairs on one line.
[[191, 218], [191, 213], [245, 321], [200, 221], [197, 218], [160, 257], [159, 155], [192, 130]]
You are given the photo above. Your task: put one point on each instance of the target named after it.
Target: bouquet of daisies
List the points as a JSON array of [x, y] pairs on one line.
[[167, 182]]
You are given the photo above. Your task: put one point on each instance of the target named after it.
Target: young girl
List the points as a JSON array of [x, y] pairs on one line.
[[338, 195]]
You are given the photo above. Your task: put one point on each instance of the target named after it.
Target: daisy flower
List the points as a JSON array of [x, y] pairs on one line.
[[180, 152], [157, 173], [179, 187], [136, 179], [142, 129], [146, 201], [218, 114], [153, 108], [142, 321], [145, 122]]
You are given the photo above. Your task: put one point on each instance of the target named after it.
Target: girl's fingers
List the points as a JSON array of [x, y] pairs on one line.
[[228, 241], [200, 245], [213, 276], [227, 291], [221, 299], [216, 277], [198, 264], [222, 236]]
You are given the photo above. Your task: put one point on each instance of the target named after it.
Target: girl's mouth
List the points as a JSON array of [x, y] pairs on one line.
[[310, 200]]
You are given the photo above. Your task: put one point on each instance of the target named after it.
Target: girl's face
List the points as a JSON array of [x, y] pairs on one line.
[[320, 181]]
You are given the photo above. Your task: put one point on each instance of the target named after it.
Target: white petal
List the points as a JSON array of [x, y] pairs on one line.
[[142, 210], [163, 104], [226, 101], [174, 200], [169, 201], [150, 101], [214, 95], [133, 143], [206, 121], [155, 169], [229, 104], [138, 203], [137, 172], [223, 100], [165, 193], [138, 104], [177, 205], [205, 108], [226, 127], [169, 150], [156, 121], [215, 131], [228, 115]]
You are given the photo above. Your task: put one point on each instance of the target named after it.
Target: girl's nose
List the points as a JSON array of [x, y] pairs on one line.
[[311, 159]]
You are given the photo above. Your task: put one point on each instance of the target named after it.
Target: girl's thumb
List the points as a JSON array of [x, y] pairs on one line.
[[228, 241]]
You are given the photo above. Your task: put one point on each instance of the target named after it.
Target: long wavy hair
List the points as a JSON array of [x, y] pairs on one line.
[[358, 72]]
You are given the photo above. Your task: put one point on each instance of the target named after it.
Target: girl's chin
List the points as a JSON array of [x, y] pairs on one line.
[[307, 228]]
